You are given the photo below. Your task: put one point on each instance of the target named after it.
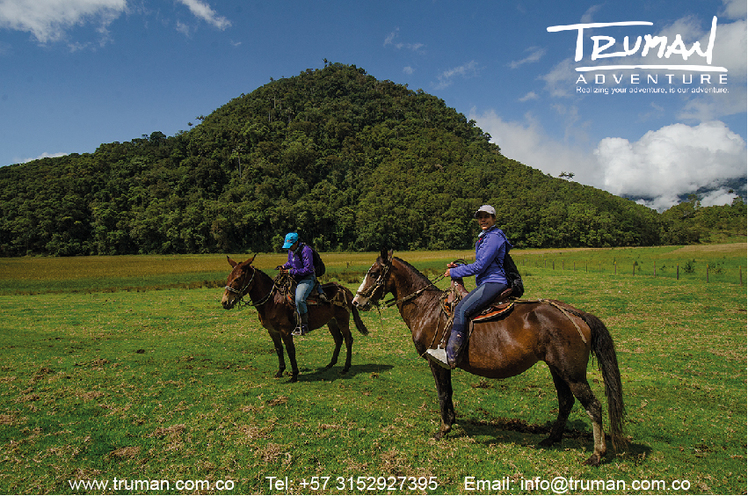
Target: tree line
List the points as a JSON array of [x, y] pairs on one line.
[[351, 162]]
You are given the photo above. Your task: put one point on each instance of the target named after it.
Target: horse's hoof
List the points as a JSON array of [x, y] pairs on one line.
[[329, 365], [440, 435], [294, 378], [547, 442], [593, 461], [345, 371], [278, 374]]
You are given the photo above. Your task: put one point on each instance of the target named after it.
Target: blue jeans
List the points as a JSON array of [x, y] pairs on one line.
[[303, 288], [472, 304]]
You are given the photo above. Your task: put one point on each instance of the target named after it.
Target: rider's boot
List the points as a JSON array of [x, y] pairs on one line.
[[305, 324], [297, 331], [449, 356], [454, 347]]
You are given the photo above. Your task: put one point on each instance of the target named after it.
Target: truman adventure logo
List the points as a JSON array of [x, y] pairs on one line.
[[677, 68]]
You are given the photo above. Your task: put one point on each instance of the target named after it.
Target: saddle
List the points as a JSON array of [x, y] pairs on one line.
[[333, 296], [501, 306]]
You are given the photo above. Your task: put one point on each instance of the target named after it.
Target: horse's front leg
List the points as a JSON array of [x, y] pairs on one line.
[[291, 350], [443, 379], [278, 343]]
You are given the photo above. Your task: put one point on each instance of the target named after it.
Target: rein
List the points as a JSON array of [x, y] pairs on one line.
[[415, 294]]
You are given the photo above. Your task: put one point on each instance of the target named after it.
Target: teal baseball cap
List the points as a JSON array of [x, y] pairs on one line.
[[291, 238]]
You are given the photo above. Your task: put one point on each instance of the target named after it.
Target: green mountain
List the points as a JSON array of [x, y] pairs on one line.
[[351, 162]]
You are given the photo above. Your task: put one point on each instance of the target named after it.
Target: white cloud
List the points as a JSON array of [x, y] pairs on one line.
[[735, 9], [662, 165], [672, 161], [535, 55], [559, 82], [588, 15], [718, 197], [48, 20], [43, 155], [203, 11], [468, 70], [390, 40], [528, 143]]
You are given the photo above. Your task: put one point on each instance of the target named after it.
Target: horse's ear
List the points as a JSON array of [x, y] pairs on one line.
[[231, 262], [386, 256], [249, 262]]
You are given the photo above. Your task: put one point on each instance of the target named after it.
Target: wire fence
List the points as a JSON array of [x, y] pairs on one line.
[[707, 271]]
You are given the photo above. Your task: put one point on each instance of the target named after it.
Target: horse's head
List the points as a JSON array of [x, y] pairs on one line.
[[374, 286], [238, 283]]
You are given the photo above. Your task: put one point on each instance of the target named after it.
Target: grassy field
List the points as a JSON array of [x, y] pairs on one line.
[[105, 386]]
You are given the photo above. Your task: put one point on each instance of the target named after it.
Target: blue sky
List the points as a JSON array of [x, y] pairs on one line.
[[78, 73]]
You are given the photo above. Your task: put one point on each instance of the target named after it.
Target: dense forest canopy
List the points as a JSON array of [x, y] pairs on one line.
[[351, 162]]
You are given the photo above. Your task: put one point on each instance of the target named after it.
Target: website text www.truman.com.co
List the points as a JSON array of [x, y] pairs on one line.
[[142, 486]]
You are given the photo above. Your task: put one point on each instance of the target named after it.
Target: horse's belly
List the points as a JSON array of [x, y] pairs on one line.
[[496, 358], [485, 368]]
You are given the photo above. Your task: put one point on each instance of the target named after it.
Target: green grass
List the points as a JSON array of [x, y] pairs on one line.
[[166, 385]]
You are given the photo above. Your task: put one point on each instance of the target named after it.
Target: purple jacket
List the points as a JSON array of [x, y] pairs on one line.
[[490, 249], [300, 264]]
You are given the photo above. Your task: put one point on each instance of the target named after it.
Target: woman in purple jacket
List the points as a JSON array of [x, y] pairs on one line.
[[490, 281], [300, 266]]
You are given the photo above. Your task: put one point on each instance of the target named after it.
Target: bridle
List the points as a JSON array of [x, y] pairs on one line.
[[380, 283], [243, 292]]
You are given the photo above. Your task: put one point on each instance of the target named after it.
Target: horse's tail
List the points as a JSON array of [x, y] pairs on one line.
[[604, 350], [359, 323], [356, 316]]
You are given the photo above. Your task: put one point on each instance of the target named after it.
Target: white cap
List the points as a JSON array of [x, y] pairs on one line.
[[486, 208]]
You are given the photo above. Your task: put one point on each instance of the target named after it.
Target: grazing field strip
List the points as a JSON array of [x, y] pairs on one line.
[[168, 386]]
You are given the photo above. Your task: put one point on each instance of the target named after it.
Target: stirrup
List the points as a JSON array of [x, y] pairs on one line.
[[439, 357], [301, 331], [298, 331]]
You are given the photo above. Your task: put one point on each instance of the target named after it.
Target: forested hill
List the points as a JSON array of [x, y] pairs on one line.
[[352, 162]]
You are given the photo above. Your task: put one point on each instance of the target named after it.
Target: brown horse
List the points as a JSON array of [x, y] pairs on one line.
[[550, 331], [278, 315]]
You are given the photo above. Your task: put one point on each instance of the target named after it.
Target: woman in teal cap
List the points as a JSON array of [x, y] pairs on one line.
[[300, 266]]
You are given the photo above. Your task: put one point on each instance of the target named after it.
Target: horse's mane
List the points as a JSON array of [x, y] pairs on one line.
[[418, 274]]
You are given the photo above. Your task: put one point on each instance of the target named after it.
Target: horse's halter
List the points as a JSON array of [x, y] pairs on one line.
[[378, 284], [242, 292], [245, 289]]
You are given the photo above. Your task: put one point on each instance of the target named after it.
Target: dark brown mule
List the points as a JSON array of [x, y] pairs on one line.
[[550, 331], [279, 317]]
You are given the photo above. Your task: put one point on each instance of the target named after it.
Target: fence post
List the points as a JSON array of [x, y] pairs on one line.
[[677, 272], [615, 268]]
